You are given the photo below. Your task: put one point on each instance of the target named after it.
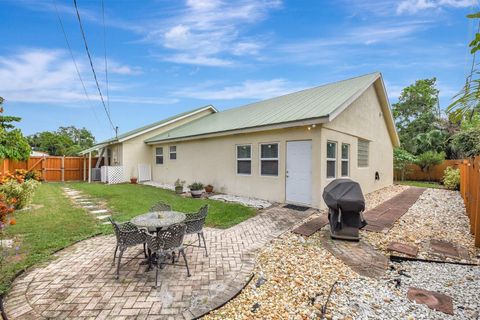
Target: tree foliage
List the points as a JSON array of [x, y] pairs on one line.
[[13, 145], [67, 141], [429, 159], [417, 112], [401, 160]]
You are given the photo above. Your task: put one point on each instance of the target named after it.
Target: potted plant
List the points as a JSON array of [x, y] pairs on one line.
[[209, 188], [133, 180], [179, 186], [196, 189]]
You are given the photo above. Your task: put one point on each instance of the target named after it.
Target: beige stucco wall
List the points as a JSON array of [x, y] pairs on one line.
[[136, 152], [362, 119], [213, 161]]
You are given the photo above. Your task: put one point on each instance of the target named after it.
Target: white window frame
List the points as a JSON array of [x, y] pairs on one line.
[[159, 155], [243, 159], [335, 160], [268, 159], [170, 152], [347, 160]]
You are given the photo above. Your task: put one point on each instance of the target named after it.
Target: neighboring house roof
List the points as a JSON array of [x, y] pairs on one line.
[[317, 105], [142, 130]]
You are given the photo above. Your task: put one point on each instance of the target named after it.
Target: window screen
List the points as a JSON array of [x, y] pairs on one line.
[[244, 159], [269, 159]]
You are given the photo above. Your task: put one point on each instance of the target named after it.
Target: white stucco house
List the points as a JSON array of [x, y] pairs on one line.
[[285, 149]]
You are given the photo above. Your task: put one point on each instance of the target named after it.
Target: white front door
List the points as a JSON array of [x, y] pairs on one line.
[[299, 172]]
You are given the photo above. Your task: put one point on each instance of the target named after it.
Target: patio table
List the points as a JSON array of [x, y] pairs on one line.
[[158, 219]]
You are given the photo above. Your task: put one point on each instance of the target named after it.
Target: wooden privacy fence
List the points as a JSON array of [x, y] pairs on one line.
[[470, 191], [52, 168], [414, 172]]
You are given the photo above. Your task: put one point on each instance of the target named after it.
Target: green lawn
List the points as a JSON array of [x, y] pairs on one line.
[[130, 200], [52, 224], [422, 184]]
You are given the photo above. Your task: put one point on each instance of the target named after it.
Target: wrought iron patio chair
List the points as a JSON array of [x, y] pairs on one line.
[[128, 235], [168, 243], [195, 222], [160, 206]]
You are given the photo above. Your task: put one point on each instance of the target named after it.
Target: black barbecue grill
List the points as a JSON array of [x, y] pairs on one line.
[[346, 203]]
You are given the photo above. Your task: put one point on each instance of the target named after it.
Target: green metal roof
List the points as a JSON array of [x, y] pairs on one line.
[[318, 102], [126, 135]]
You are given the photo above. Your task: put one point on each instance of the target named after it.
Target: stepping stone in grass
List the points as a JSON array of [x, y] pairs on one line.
[[103, 217], [99, 211], [409, 250], [433, 300], [89, 206]]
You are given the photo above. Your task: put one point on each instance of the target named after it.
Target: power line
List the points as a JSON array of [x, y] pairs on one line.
[[91, 64], [105, 54], [75, 62]]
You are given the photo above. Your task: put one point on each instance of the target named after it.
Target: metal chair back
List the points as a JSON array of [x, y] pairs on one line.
[[172, 237], [160, 206], [195, 221]]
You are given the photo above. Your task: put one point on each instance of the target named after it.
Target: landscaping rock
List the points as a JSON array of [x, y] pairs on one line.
[[250, 202]]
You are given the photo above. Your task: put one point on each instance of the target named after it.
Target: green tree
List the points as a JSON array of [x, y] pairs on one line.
[[434, 140], [65, 141], [401, 160], [428, 160], [466, 143], [417, 111], [13, 145]]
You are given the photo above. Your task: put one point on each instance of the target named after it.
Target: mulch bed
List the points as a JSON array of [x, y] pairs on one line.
[[383, 217]]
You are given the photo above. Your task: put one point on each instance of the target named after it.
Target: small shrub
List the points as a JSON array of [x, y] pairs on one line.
[[451, 178], [6, 208], [179, 183], [21, 193], [196, 186]]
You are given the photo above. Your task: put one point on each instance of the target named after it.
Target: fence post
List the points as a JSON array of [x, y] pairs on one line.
[[63, 168], [475, 221], [44, 169]]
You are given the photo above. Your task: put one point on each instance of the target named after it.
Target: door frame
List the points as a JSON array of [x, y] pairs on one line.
[[311, 169]]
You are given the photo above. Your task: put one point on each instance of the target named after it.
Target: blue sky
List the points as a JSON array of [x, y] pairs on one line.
[[166, 57]]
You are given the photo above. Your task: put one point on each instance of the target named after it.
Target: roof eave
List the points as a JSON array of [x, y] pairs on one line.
[[281, 125]]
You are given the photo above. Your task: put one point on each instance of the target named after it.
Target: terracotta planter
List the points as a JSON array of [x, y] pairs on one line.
[[209, 189], [133, 180], [196, 193], [179, 189]]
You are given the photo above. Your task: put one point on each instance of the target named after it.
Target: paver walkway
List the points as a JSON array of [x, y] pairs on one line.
[[383, 217], [80, 284]]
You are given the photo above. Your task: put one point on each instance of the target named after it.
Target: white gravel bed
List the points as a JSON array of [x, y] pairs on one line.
[[364, 298], [437, 214], [250, 202], [246, 201]]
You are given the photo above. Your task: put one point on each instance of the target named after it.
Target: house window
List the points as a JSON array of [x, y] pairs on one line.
[[345, 160], [331, 159], [159, 155], [363, 153], [269, 159], [244, 159], [173, 152]]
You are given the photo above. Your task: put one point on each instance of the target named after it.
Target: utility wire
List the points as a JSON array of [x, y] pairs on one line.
[[105, 55], [91, 65], [92, 107]]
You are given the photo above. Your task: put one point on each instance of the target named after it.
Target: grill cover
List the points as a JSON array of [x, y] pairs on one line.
[[344, 194]]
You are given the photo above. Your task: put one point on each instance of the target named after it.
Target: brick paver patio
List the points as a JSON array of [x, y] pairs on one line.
[[80, 284]]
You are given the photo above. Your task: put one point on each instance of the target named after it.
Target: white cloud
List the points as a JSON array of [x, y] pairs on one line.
[[209, 32], [414, 6], [49, 76], [250, 89]]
